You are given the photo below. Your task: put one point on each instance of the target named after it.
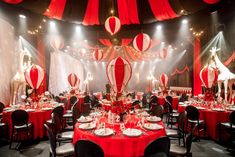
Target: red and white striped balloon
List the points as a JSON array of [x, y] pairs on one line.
[[142, 42], [163, 53], [163, 79], [208, 76], [97, 55], [119, 72], [34, 76], [112, 25], [57, 43], [73, 80]]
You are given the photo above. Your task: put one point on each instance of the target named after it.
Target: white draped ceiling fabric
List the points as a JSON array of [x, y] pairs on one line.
[[61, 66], [8, 60]]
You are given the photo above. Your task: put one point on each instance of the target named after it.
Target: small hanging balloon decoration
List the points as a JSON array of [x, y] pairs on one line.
[[208, 76], [163, 80], [97, 54], [73, 80], [57, 43], [142, 42], [163, 53], [119, 72], [112, 25], [34, 76]]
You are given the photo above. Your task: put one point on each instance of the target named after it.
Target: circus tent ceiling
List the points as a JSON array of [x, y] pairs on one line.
[[91, 15]]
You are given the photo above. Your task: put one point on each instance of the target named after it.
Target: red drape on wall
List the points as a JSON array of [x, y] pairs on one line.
[[56, 9], [162, 9], [128, 12], [105, 42], [197, 88], [42, 63], [92, 13]]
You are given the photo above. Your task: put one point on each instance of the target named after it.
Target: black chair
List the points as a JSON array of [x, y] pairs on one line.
[[63, 150], [144, 101], [73, 100], [194, 121], [159, 148], [157, 110], [57, 99], [153, 100], [171, 117], [20, 125], [181, 130], [85, 108], [135, 104], [86, 148], [2, 106], [87, 99], [60, 111], [228, 127], [177, 150]]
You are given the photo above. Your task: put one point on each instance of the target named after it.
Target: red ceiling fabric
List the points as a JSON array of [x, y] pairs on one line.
[[162, 9], [128, 12], [56, 9], [197, 88], [126, 41], [105, 42], [13, 1], [211, 1], [92, 13]]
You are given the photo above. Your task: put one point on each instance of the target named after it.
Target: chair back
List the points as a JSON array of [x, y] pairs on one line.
[[56, 122], [153, 99], [157, 111], [57, 99], [85, 108], [232, 118], [86, 148], [52, 139], [65, 102], [192, 113], [87, 99], [2, 106], [73, 100], [59, 110], [167, 107], [76, 113], [19, 117], [160, 145], [169, 99], [182, 121]]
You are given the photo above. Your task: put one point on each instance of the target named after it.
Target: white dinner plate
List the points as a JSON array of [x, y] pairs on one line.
[[104, 132], [132, 132], [83, 119], [87, 126], [153, 119], [218, 109], [152, 126]]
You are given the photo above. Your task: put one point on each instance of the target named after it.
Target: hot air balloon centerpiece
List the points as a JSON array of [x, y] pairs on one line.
[[163, 79], [34, 77], [119, 72], [208, 76], [74, 82]]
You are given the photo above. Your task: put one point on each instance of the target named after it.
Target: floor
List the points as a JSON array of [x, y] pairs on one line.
[[204, 148]]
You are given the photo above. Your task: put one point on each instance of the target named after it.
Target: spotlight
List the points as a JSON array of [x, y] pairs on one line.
[[162, 42], [159, 27], [78, 28], [184, 21], [111, 11], [85, 41], [52, 23], [22, 16]]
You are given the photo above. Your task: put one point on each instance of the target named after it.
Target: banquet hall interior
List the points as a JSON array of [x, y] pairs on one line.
[[117, 78]]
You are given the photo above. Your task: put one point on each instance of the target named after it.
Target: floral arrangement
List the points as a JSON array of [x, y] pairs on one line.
[[119, 107]]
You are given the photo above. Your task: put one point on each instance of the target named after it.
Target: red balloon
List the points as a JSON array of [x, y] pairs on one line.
[[142, 42], [34, 76], [164, 79], [57, 43], [73, 80], [119, 72], [97, 55], [208, 76], [112, 25]]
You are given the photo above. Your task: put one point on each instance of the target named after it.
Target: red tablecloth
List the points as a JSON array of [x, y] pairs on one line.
[[119, 145], [211, 118], [37, 118]]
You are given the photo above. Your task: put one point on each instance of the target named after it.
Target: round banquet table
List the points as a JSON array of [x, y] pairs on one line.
[[211, 118], [119, 145], [37, 118]]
